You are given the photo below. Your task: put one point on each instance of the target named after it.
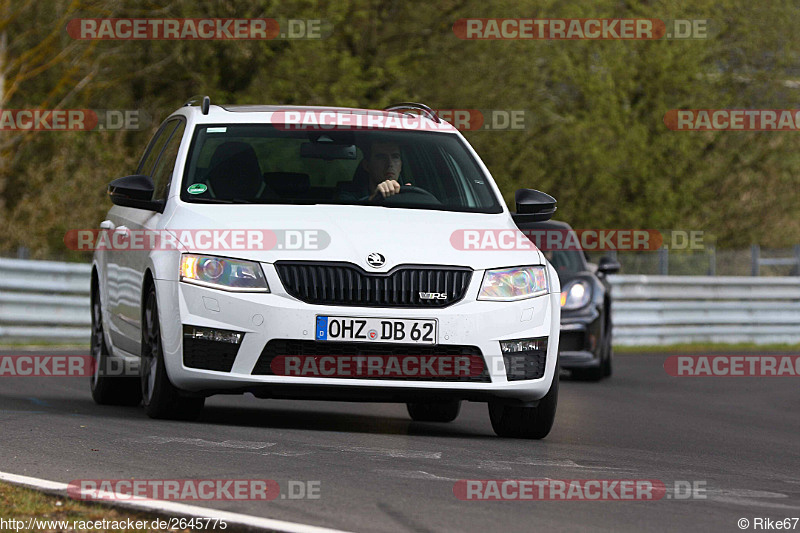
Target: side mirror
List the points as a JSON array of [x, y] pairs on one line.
[[134, 191], [533, 206], [606, 265]]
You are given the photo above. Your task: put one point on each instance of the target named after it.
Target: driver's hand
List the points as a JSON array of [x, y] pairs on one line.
[[386, 188]]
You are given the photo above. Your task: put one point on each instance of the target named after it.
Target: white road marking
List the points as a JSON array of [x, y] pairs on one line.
[[236, 444], [557, 463], [748, 497], [403, 454], [287, 454], [415, 474], [174, 508]]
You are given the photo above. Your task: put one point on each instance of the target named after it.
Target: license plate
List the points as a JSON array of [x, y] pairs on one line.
[[343, 328]]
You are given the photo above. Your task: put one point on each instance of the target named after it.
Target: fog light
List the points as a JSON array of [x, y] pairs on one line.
[[215, 335], [524, 358], [524, 345]]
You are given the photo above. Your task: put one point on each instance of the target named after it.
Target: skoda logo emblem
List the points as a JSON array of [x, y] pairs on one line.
[[375, 260]]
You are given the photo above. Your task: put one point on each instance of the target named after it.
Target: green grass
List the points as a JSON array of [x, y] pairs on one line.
[[709, 348]]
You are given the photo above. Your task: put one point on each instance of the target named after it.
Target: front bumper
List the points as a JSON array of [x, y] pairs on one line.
[[580, 339], [266, 316]]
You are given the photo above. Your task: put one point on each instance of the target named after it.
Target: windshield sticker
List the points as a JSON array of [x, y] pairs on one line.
[[196, 188]]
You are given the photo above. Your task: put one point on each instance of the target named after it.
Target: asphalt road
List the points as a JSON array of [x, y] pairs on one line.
[[381, 472]]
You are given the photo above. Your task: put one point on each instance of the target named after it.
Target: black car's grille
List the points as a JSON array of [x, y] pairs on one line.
[[572, 341], [280, 347], [348, 284], [209, 355]]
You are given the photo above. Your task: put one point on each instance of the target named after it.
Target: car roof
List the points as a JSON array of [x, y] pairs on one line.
[[269, 114]]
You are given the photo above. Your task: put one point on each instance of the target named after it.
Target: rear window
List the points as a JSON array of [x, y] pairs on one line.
[[266, 164]]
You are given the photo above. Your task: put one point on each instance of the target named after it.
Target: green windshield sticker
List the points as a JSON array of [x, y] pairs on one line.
[[196, 188], [217, 130]]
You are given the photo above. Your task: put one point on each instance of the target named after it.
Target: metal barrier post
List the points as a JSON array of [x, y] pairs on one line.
[[755, 257]]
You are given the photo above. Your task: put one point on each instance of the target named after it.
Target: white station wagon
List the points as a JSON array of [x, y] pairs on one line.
[[314, 253]]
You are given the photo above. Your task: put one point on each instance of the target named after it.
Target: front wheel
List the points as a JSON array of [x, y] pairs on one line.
[[160, 397], [434, 412], [107, 389], [519, 422], [607, 366]]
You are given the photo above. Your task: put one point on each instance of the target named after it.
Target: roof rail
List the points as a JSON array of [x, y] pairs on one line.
[[412, 106], [205, 102]]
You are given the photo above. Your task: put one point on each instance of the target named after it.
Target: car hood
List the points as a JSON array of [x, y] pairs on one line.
[[351, 233]]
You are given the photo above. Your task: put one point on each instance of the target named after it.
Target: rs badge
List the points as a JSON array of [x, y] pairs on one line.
[[433, 296]]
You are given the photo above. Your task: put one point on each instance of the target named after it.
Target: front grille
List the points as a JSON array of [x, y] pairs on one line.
[[348, 284], [209, 355], [572, 341], [281, 347]]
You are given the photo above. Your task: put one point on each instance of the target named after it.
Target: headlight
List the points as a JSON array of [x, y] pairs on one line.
[[513, 283], [576, 294], [223, 273]]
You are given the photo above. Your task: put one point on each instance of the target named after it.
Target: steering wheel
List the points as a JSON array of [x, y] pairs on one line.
[[426, 196]]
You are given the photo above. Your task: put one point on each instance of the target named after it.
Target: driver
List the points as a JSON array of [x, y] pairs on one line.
[[383, 164]]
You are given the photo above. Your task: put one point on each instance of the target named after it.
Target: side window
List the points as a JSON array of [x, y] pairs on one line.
[[154, 148], [166, 163]]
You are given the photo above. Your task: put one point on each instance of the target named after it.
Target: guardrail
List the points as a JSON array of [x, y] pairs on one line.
[[662, 310], [44, 301], [49, 301]]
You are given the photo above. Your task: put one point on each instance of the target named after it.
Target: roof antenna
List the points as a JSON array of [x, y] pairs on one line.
[[205, 102]]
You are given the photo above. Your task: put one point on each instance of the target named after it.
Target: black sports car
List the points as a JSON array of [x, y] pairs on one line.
[[585, 342]]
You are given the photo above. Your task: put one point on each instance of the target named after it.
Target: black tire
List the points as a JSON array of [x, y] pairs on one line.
[[607, 364], [160, 397], [434, 412], [108, 390], [518, 422]]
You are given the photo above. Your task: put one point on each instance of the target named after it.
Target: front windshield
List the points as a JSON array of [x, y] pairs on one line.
[[268, 164], [566, 261]]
